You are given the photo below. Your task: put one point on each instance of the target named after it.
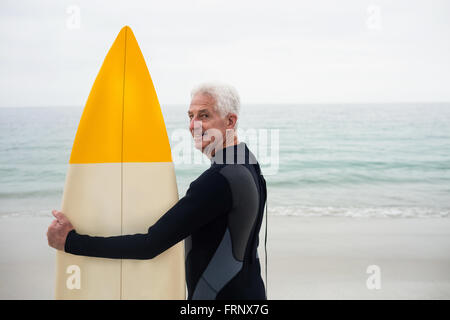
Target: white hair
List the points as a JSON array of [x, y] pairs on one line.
[[225, 96]]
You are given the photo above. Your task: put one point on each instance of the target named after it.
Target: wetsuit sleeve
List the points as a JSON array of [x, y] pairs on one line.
[[207, 198]]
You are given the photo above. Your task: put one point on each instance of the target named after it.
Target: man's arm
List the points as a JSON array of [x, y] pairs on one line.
[[207, 198]]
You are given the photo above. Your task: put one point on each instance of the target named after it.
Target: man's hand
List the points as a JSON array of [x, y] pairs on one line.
[[58, 230]]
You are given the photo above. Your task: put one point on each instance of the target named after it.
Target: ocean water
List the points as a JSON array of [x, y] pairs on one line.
[[352, 160]]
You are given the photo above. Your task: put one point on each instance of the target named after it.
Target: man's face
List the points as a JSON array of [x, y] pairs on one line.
[[207, 126]]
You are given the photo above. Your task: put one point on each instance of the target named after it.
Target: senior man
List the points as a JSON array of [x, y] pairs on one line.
[[219, 217]]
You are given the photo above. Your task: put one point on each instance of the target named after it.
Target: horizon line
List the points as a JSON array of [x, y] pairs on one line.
[[257, 103]]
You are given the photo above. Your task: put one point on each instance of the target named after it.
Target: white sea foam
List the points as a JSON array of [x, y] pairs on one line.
[[355, 212], [348, 212]]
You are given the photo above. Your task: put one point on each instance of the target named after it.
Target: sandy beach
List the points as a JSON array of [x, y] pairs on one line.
[[308, 258]]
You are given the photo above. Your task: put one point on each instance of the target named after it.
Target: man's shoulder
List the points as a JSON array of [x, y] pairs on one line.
[[211, 184], [232, 173], [240, 168], [209, 176], [237, 174]]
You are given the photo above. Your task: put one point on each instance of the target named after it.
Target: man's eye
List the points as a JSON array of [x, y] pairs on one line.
[[204, 116]]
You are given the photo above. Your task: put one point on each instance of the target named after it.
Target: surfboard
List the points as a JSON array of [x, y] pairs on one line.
[[120, 180]]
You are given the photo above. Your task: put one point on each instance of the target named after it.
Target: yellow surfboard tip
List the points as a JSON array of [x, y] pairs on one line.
[[122, 120], [125, 28]]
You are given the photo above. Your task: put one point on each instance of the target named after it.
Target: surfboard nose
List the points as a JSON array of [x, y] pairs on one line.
[[122, 119]]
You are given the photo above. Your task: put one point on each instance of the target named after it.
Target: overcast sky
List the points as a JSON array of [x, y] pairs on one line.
[[274, 51]]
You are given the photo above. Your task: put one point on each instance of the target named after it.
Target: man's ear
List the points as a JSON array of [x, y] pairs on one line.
[[231, 121]]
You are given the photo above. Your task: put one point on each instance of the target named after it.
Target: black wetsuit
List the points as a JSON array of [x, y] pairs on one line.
[[220, 217]]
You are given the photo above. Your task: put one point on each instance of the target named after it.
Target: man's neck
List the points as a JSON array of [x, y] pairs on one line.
[[228, 143]]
